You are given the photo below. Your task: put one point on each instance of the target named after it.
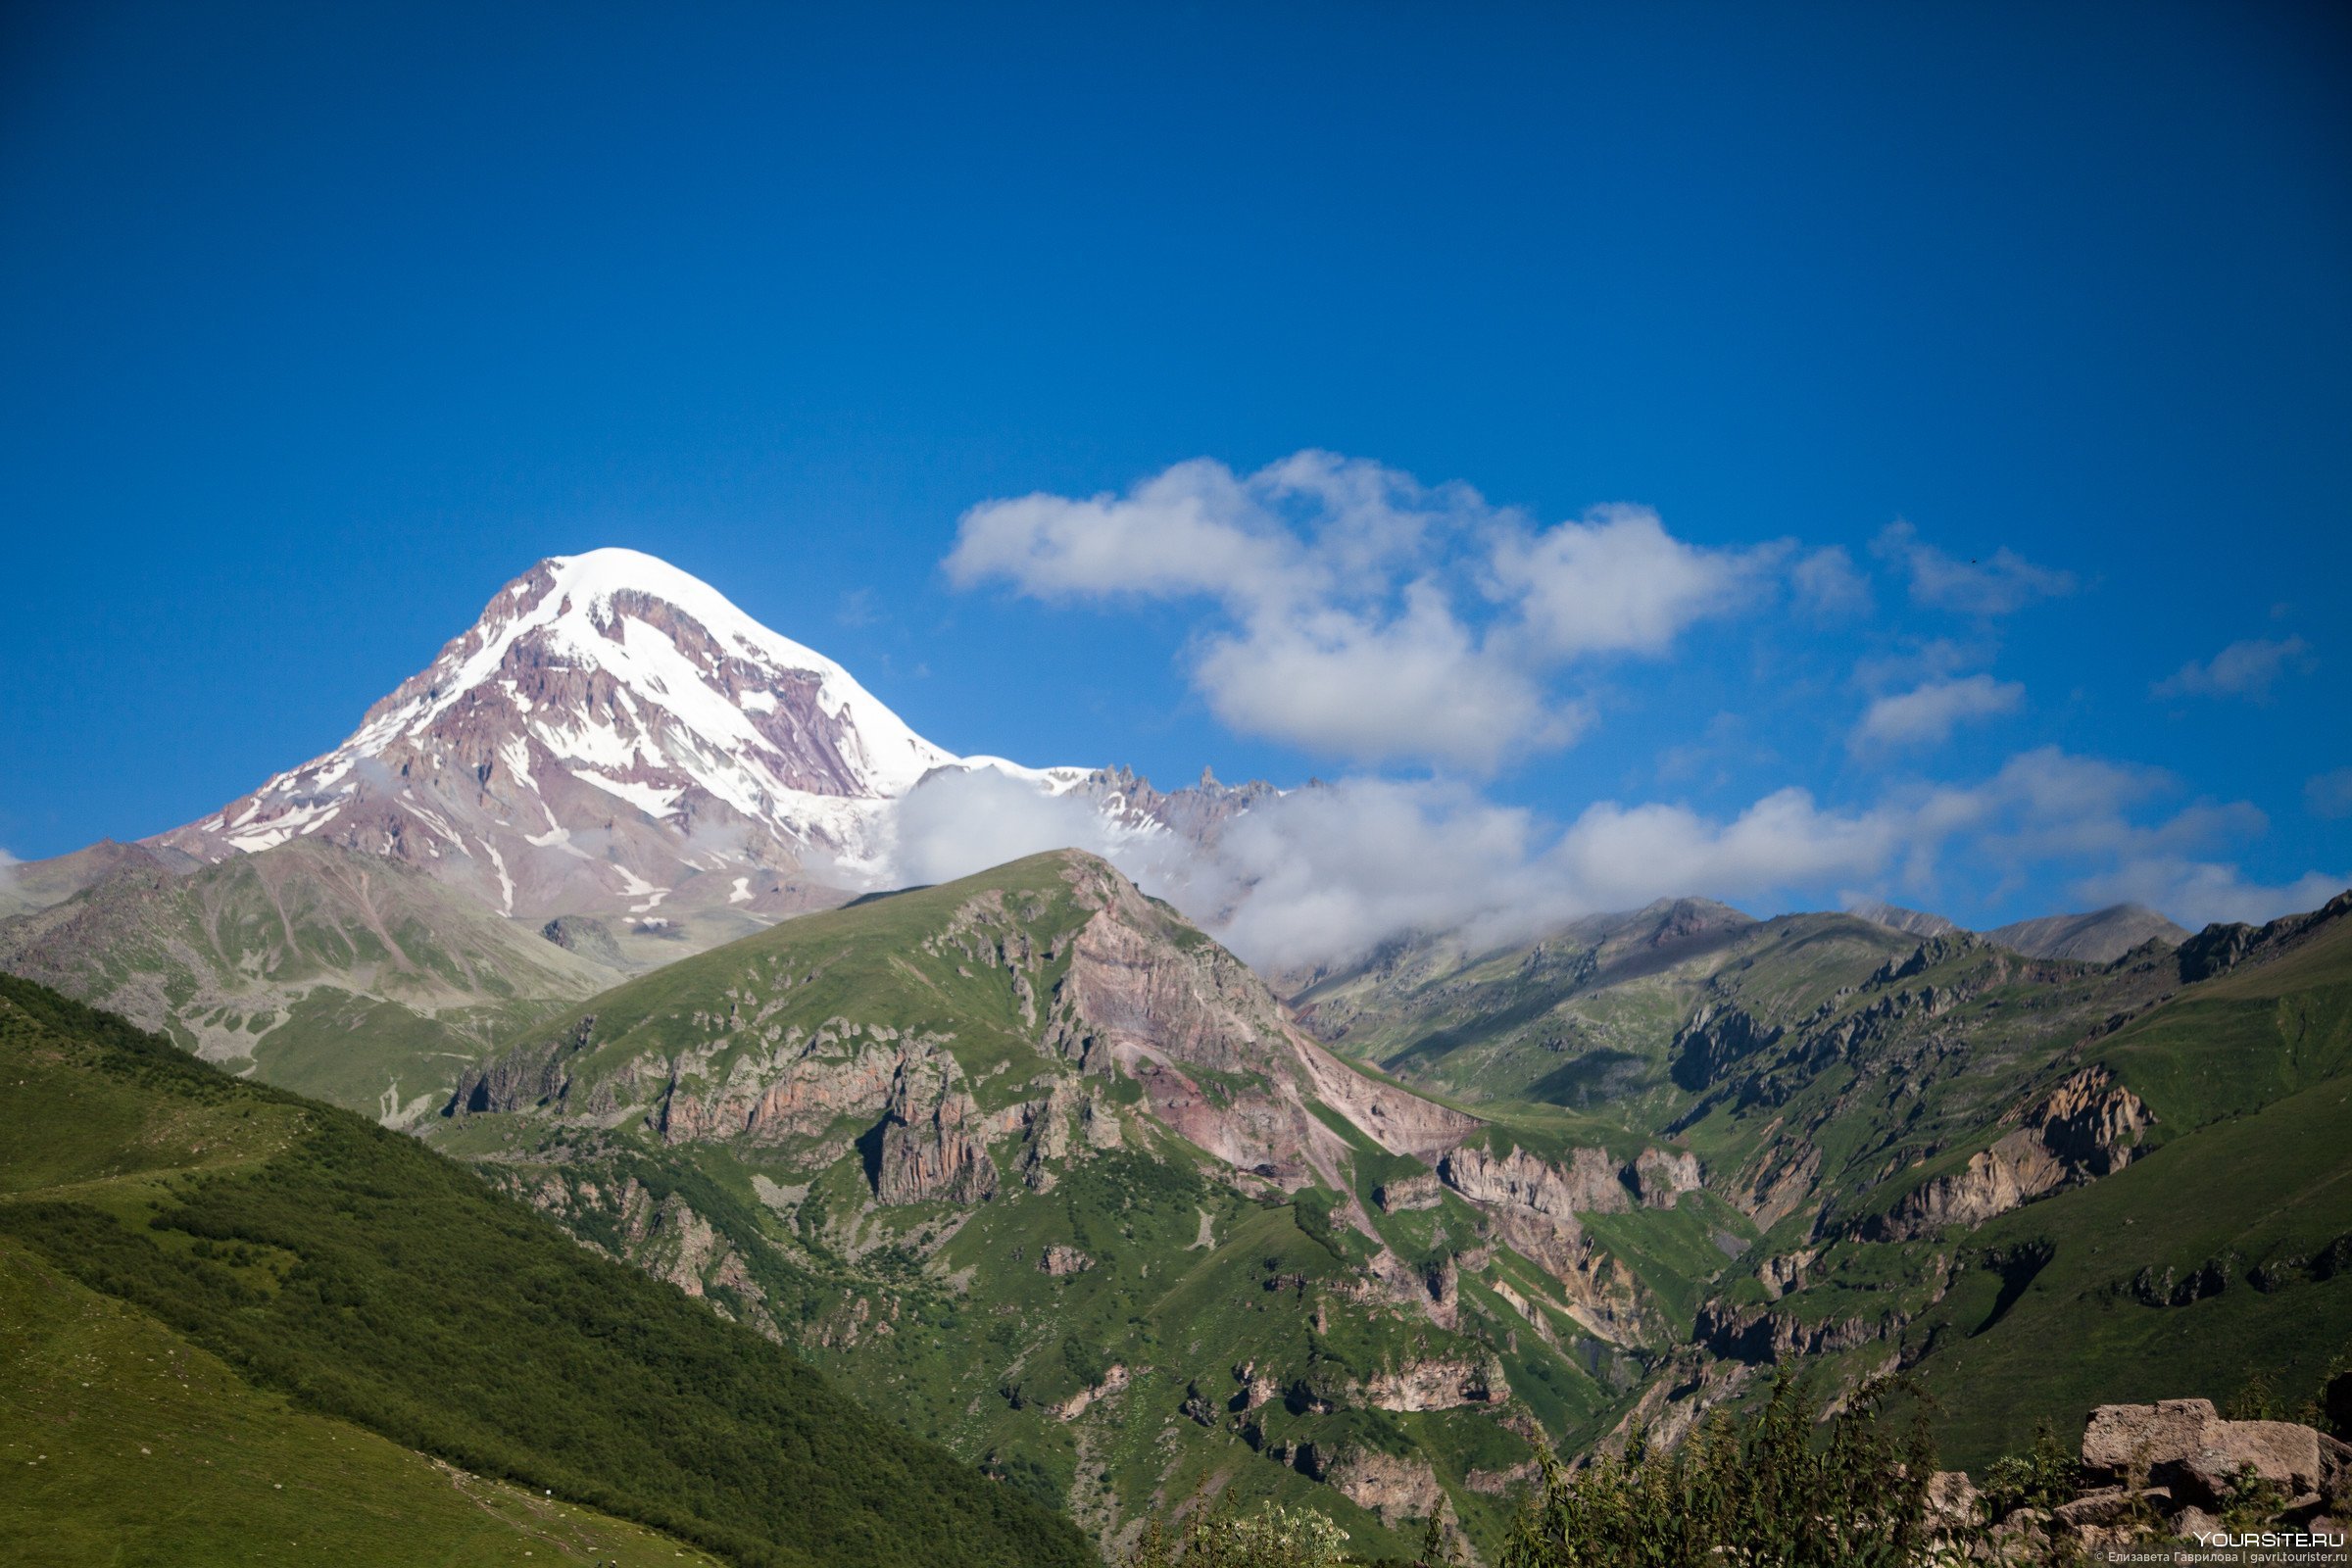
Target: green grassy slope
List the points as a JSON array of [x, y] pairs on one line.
[[939, 1313], [328, 1276], [126, 1443]]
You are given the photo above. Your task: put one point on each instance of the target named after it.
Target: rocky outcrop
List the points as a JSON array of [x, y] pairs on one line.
[[1400, 1122], [931, 1143], [659, 1233], [1659, 1177], [1392, 1486], [525, 1078], [1765, 1336], [2219, 948], [2085, 1128], [1588, 1183], [1534, 1205], [1715, 1039], [796, 1089], [1061, 1261], [2155, 1475], [1114, 1380], [1435, 1291], [1421, 1190], [586, 936], [1130, 983], [1438, 1383], [1070, 1122]]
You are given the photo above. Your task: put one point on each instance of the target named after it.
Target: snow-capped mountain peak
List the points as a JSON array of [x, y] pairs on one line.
[[610, 729]]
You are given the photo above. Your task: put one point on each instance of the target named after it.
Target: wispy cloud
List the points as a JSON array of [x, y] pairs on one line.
[[2247, 668], [1828, 582], [2330, 794], [1928, 713], [1999, 584]]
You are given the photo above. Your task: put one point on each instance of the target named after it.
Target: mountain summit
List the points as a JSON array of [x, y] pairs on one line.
[[612, 736]]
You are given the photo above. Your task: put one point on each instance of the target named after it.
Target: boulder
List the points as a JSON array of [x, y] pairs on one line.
[[2191, 1522], [2280, 1452], [1953, 1501], [2122, 1437], [2335, 1464]]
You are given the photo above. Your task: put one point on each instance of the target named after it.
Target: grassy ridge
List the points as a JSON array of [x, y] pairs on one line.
[[321, 1258]]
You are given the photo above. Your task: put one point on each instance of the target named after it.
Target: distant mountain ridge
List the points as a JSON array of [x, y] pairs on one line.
[[2100, 936]]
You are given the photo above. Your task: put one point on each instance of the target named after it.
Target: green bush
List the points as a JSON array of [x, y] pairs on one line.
[[2041, 1478], [1777, 1493]]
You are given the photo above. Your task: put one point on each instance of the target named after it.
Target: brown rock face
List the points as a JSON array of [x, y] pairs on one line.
[[1418, 1191], [2084, 1129], [1060, 1261], [1533, 1205], [933, 1145], [1660, 1178], [2108, 1504], [1587, 1184], [1437, 1384]]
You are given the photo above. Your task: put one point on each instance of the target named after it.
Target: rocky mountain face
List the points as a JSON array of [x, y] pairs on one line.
[[1942, 1153], [340, 974], [1052, 1174]]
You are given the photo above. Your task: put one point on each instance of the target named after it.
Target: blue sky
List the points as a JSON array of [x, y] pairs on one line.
[[1947, 406]]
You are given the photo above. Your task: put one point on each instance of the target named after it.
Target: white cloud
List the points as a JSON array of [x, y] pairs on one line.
[[2248, 668], [2328, 795], [1928, 713], [1363, 614], [1192, 529], [1618, 582], [1325, 874], [956, 823], [2000, 585], [1918, 660], [1418, 686], [1620, 856]]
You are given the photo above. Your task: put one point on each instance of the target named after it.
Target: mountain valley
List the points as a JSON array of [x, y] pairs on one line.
[[603, 906]]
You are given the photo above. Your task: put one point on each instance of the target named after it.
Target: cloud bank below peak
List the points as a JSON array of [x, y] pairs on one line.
[[1324, 875], [1347, 610]]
